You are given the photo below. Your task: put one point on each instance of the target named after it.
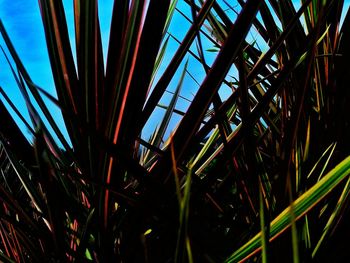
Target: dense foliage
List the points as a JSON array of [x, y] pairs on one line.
[[255, 169]]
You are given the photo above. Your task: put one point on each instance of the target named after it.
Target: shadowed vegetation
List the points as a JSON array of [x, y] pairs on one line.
[[249, 160]]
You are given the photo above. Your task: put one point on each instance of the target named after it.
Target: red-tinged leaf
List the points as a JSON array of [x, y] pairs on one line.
[[91, 82], [131, 47], [62, 63], [125, 69], [90, 62], [117, 33], [149, 46], [60, 53]]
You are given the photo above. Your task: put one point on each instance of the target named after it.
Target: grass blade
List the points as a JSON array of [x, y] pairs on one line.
[[331, 223], [196, 111], [301, 206]]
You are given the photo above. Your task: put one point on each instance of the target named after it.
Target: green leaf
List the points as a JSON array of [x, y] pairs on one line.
[[301, 206], [88, 255], [331, 223]]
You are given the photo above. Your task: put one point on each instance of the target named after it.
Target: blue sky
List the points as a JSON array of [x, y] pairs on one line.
[[23, 23]]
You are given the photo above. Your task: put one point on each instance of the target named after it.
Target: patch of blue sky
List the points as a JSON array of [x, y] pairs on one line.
[[23, 22], [346, 10], [178, 28], [196, 73]]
